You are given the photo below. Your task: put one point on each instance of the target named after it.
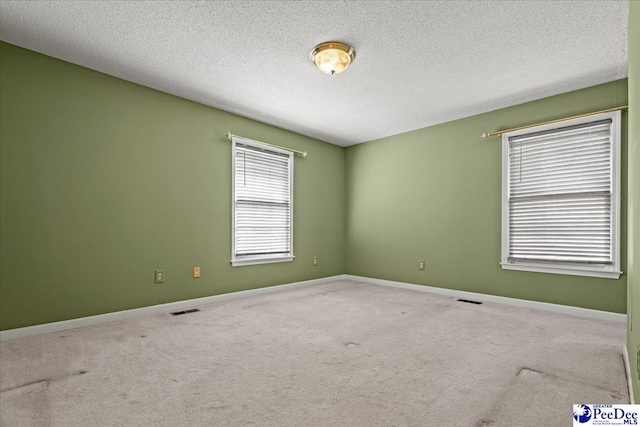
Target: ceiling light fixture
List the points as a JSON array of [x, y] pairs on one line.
[[332, 57]]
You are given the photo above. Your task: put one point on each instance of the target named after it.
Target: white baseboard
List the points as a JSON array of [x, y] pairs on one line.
[[627, 368], [556, 308], [186, 304], [152, 310]]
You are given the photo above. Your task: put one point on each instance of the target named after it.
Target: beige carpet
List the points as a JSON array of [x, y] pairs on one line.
[[339, 354]]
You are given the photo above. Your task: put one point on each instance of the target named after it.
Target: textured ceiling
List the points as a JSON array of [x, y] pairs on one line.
[[418, 63]]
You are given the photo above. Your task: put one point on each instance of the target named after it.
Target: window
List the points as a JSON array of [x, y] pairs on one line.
[[262, 203], [561, 197]]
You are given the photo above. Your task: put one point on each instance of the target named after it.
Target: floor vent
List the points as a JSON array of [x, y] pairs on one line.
[[178, 313], [469, 301]]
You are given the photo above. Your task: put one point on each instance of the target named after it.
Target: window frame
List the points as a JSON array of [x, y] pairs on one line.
[[605, 271], [258, 259]]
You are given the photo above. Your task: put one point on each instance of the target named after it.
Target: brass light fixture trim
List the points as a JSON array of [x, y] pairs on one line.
[[332, 57]]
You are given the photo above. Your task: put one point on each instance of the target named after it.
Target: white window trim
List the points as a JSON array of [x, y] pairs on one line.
[[608, 272], [261, 259]]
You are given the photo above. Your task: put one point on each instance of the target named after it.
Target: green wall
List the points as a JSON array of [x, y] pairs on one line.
[[103, 181], [633, 266], [434, 194]]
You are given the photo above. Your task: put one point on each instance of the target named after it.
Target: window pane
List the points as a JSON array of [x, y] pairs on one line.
[[262, 202], [560, 195]]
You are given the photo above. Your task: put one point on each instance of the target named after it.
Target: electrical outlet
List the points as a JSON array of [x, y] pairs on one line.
[[315, 261], [159, 276], [196, 272], [421, 265]]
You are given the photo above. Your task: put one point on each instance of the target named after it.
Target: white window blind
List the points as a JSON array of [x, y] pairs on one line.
[[561, 197], [262, 203]]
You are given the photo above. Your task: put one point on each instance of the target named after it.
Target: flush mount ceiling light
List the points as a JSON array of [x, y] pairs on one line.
[[332, 57]]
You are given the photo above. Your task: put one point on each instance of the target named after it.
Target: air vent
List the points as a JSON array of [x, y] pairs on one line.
[[469, 301], [178, 313]]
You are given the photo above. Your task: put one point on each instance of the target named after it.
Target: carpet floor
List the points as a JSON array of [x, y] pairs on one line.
[[337, 354]]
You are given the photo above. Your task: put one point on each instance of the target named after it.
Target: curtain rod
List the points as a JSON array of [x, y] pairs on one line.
[[229, 135], [500, 132]]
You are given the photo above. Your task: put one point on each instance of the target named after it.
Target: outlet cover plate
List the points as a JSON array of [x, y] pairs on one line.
[[159, 276]]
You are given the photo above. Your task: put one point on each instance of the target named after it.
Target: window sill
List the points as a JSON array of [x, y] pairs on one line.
[[238, 262], [568, 270]]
